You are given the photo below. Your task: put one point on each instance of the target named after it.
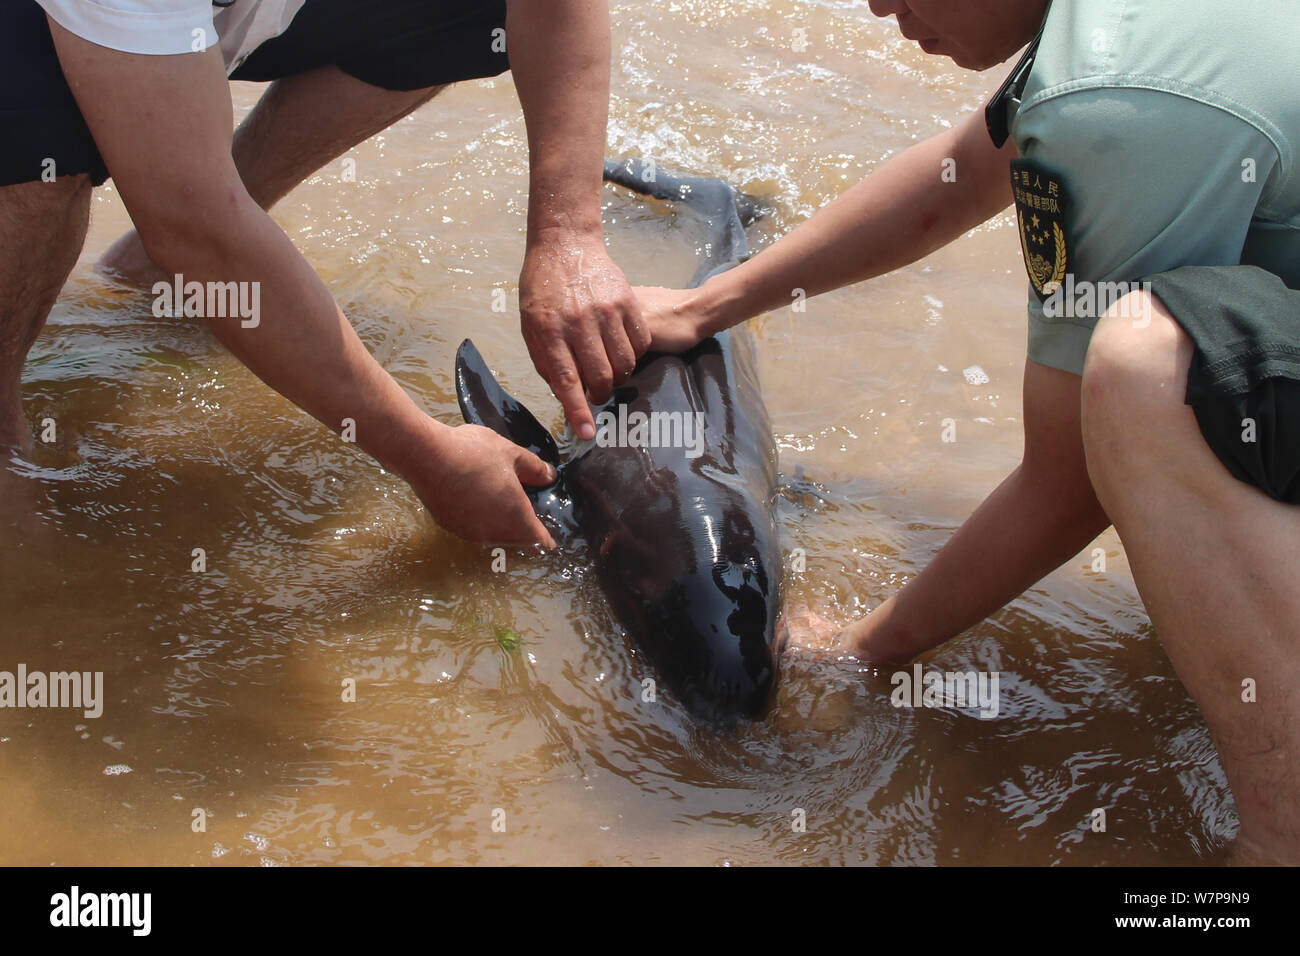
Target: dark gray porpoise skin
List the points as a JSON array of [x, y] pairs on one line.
[[687, 549]]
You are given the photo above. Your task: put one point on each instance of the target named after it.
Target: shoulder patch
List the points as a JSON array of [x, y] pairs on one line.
[[1040, 206]]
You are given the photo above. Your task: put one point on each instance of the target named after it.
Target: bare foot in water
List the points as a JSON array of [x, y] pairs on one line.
[[125, 261]]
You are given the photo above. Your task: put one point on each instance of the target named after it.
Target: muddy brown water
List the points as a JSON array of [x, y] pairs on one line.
[[223, 689]]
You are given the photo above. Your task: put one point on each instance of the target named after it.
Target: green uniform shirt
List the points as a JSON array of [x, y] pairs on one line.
[[1172, 127]]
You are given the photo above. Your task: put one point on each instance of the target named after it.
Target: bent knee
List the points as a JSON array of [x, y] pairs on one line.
[[1134, 386], [1137, 360]]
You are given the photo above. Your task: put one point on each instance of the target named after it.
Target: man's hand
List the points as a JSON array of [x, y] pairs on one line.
[[474, 487], [580, 320], [676, 318]]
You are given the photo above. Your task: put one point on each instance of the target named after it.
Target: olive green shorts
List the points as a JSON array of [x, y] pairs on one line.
[[1244, 380]]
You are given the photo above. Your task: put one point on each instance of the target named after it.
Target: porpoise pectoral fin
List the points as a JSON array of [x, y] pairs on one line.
[[484, 402]]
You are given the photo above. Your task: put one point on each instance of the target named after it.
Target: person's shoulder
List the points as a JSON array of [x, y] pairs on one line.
[[1241, 59]]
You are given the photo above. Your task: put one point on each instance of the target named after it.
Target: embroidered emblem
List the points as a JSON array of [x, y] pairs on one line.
[[1040, 207]]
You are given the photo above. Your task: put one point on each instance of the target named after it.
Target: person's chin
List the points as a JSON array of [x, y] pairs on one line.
[[991, 59], [969, 61], [937, 47]]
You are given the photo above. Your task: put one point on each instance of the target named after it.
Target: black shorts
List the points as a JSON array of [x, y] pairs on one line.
[[1244, 381], [42, 134], [394, 44]]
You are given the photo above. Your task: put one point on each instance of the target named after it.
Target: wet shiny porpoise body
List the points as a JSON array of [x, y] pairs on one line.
[[684, 539]]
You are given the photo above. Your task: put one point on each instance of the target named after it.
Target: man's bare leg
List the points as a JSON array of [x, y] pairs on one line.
[[301, 123], [1217, 563], [1043, 514], [42, 228]]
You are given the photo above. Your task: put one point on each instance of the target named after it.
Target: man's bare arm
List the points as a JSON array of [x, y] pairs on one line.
[[898, 214], [163, 125], [580, 319]]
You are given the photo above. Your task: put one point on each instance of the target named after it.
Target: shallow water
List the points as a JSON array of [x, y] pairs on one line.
[[223, 688]]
